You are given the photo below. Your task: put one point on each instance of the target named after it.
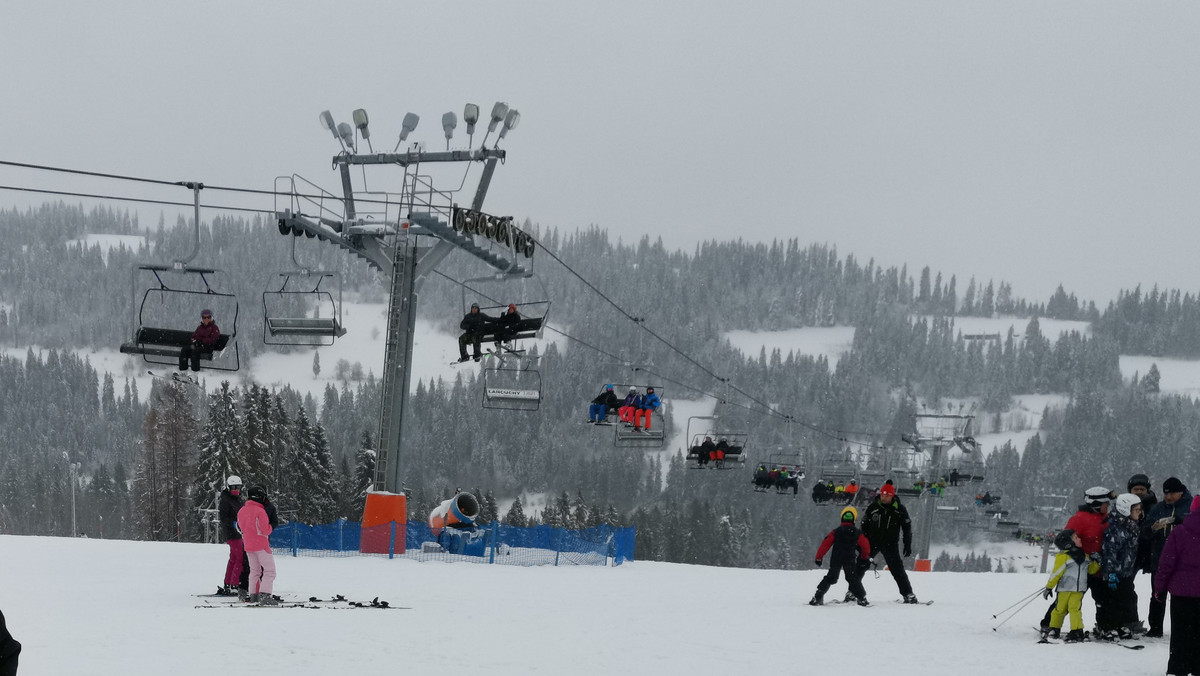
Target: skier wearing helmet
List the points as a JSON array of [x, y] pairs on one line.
[[1089, 523], [600, 406], [227, 508], [851, 555], [1118, 566]]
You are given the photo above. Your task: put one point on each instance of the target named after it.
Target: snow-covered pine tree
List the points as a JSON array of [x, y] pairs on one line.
[[364, 472], [220, 453], [311, 473], [516, 514]]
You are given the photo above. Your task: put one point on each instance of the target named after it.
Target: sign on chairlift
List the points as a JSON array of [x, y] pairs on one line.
[[505, 393]]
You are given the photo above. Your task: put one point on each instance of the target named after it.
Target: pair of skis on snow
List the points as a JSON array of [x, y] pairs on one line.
[[1088, 639], [338, 602]]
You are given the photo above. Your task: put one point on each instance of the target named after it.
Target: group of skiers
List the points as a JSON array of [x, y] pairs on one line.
[[715, 452], [838, 494], [885, 524], [635, 411], [780, 477], [1103, 547], [246, 524]]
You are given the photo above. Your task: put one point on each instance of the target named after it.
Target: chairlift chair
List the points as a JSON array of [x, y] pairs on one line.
[[700, 426], [511, 388], [300, 311], [166, 312], [495, 293], [628, 436]]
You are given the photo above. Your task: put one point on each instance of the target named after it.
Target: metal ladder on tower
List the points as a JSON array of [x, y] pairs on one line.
[[399, 345]]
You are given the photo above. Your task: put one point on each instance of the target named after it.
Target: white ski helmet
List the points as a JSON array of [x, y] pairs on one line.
[[234, 481], [1125, 503], [1096, 496]]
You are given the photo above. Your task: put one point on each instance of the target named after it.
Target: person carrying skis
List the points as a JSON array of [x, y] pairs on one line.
[[203, 339], [883, 523], [1071, 570], [604, 401], [256, 527], [474, 324], [1179, 575], [851, 555], [1118, 565], [1162, 519], [227, 510]]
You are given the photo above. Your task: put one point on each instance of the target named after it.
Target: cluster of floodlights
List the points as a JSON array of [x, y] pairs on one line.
[[345, 134]]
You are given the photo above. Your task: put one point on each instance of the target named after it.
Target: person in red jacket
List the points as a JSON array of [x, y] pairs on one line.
[[203, 339], [851, 554], [1090, 522]]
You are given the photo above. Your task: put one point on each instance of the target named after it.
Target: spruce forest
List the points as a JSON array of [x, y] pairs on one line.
[[147, 462]]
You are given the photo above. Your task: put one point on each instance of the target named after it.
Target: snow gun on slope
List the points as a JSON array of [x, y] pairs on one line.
[[459, 511]]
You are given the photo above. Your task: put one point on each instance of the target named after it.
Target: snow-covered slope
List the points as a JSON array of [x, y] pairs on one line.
[[114, 607]]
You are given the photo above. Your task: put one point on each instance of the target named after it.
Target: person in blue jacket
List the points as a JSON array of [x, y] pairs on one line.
[[650, 404]]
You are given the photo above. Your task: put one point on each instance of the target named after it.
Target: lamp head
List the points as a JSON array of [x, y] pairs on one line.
[[449, 122], [408, 125], [346, 133], [360, 121], [511, 120], [471, 116], [498, 112]]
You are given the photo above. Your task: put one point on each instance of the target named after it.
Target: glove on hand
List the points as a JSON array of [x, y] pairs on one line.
[[818, 562], [864, 565], [907, 551], [1112, 580], [1047, 593]]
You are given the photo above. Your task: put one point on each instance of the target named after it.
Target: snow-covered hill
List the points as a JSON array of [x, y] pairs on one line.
[[114, 607]]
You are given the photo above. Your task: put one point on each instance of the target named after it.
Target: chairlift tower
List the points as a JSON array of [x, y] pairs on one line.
[[405, 233], [935, 432]]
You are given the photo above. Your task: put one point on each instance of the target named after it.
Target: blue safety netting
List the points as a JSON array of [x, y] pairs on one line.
[[495, 543]]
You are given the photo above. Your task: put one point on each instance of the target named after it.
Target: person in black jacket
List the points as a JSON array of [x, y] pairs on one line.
[[506, 325], [851, 555], [474, 324], [603, 403], [10, 649], [1156, 528], [883, 523], [227, 509]]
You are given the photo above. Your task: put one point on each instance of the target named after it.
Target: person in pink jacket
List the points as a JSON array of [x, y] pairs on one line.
[[256, 527]]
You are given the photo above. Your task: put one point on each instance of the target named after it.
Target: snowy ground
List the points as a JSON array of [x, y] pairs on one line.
[[1178, 376], [1051, 328], [130, 610], [813, 341]]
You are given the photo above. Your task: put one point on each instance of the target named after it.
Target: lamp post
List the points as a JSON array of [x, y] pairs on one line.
[[73, 472]]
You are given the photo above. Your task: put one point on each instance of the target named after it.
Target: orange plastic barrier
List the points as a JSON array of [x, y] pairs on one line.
[[381, 510], [923, 566]]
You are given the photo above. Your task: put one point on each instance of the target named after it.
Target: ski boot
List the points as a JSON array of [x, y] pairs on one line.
[[226, 590], [863, 602], [245, 596], [1124, 634], [849, 598], [818, 599], [267, 600], [1075, 636], [910, 598]]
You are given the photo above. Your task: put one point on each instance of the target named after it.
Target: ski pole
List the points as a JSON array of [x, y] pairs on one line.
[[1014, 613], [1001, 612]]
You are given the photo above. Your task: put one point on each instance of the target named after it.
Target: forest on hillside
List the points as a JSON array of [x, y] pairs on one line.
[[149, 460]]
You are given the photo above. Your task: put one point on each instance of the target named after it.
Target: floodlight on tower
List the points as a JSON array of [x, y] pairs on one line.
[[449, 122], [471, 116], [360, 123], [407, 127], [346, 132], [511, 119]]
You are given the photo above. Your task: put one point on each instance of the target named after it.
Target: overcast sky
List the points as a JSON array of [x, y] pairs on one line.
[[1040, 142]]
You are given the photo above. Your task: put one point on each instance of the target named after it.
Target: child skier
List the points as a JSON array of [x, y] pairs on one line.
[[1071, 569], [1118, 566], [851, 554]]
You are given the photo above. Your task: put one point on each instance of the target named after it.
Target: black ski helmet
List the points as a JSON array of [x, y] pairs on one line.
[[1063, 540], [257, 494]]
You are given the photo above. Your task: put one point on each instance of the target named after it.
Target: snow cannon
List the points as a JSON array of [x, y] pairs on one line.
[[459, 511]]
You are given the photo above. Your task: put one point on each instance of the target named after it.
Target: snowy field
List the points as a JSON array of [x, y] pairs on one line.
[[129, 610], [1051, 328], [813, 341], [1178, 376]]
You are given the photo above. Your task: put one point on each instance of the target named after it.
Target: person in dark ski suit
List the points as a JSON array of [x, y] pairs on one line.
[[1162, 519], [883, 523], [203, 339], [474, 324], [705, 451], [506, 324], [10, 649], [1118, 566], [851, 555], [227, 508], [601, 405]]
